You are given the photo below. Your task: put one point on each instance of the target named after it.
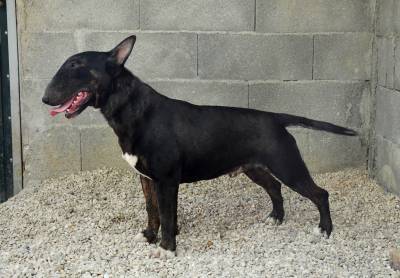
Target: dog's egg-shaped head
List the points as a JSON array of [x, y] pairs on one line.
[[85, 79]]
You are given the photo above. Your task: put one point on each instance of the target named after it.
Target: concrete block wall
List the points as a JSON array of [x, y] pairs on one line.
[[385, 152], [310, 58]]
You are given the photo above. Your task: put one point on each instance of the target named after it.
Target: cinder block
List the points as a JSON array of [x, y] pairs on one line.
[[396, 65], [74, 14], [386, 61], [343, 56], [35, 117], [255, 57], [388, 164], [155, 55], [388, 13], [52, 153], [100, 149], [387, 121], [335, 102], [385, 10], [42, 54], [301, 136], [205, 92], [313, 16], [330, 152], [222, 15], [396, 17], [323, 152]]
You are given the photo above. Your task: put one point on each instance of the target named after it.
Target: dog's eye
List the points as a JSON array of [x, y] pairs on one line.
[[74, 64]]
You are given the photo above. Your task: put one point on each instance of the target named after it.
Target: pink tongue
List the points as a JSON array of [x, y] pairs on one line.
[[62, 108]]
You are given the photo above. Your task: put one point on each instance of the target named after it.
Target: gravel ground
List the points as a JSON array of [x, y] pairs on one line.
[[84, 225]]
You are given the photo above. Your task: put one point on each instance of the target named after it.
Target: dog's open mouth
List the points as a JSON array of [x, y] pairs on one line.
[[73, 106]]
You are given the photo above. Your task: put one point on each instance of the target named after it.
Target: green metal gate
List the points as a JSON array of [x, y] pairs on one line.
[[6, 182]]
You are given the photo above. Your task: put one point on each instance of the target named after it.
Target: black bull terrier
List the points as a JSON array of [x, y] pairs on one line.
[[170, 141]]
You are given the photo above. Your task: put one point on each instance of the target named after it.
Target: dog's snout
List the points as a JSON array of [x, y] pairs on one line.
[[45, 100]]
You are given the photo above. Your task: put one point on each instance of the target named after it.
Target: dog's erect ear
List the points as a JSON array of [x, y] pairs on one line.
[[121, 52]]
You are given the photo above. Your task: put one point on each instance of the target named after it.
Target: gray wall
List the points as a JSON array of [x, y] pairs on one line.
[[385, 151], [310, 58]]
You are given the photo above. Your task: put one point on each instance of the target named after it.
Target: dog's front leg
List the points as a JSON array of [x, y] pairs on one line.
[[167, 197], [153, 218]]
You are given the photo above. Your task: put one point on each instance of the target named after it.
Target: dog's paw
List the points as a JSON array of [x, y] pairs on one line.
[[272, 221], [161, 253], [319, 232], [140, 237]]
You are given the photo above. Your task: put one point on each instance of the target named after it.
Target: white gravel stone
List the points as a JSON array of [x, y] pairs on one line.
[[85, 225], [140, 237], [161, 253]]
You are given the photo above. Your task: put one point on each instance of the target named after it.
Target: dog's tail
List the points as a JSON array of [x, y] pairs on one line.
[[291, 120]]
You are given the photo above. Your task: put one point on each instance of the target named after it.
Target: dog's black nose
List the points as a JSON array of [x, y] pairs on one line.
[[45, 99]]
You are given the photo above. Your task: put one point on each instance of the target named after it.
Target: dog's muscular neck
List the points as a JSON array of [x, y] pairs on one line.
[[123, 89], [128, 98]]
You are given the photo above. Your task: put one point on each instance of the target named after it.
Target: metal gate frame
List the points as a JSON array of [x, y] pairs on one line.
[[11, 100], [5, 113]]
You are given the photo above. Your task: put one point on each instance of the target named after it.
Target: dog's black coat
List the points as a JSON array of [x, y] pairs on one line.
[[178, 142]]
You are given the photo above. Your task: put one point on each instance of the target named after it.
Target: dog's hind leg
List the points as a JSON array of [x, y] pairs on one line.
[[153, 218], [288, 166], [273, 187], [320, 197]]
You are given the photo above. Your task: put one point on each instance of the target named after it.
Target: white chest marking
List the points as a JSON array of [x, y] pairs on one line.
[[132, 161]]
